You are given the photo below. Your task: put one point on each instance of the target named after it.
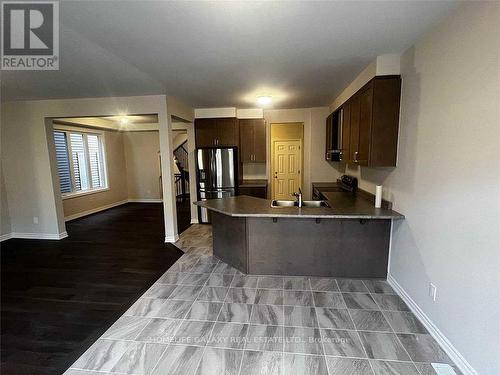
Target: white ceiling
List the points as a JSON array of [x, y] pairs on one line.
[[213, 54]]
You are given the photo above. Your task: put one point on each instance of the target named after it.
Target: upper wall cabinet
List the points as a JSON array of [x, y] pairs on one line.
[[216, 132], [252, 141], [370, 123]]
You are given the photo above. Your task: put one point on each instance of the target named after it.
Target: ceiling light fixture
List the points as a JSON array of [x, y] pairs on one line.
[[124, 120], [264, 100]]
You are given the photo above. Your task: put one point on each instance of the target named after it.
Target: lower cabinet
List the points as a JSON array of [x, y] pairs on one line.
[[254, 191]]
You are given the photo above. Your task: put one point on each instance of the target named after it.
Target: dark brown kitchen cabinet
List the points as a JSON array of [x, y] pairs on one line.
[[216, 132], [253, 191], [370, 123], [252, 140]]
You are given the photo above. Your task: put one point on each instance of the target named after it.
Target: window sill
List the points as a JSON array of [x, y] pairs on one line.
[[82, 193]]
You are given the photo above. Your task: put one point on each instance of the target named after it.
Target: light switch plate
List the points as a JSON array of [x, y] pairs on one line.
[[443, 369]]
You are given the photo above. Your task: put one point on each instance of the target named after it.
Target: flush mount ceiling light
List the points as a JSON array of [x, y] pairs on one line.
[[124, 120], [264, 100]]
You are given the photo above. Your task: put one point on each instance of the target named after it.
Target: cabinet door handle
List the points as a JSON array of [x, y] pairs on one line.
[[356, 156]]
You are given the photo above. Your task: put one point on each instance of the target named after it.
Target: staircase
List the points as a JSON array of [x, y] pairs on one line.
[[182, 175]]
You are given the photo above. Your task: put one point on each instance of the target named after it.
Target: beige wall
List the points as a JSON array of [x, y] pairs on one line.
[[447, 184], [117, 180], [143, 169]]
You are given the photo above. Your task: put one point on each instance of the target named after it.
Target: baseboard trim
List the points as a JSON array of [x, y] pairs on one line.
[[5, 237], [194, 221], [94, 210], [37, 236], [172, 239], [442, 340], [146, 200]]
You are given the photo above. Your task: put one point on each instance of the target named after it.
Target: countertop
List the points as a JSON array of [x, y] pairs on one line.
[[253, 183], [344, 205]]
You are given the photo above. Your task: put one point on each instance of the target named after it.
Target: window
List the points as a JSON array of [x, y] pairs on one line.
[[80, 161]]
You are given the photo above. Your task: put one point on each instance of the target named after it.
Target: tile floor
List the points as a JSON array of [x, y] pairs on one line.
[[205, 317]]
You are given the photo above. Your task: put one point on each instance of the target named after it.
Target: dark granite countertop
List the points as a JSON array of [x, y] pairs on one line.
[[253, 183], [343, 206]]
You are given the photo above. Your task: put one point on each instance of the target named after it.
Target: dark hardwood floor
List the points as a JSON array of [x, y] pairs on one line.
[[58, 297]]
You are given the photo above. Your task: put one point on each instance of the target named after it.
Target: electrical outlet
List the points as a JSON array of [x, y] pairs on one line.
[[432, 291], [35, 219]]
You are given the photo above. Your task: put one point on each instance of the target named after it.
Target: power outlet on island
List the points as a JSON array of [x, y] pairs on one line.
[[35, 219], [432, 291]]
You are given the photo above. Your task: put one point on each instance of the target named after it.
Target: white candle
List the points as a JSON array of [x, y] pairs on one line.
[[378, 196]]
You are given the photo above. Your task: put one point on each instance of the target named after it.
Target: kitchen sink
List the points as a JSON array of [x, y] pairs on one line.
[[276, 203]]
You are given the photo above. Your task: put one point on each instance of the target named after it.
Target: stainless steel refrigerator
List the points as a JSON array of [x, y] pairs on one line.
[[216, 175]]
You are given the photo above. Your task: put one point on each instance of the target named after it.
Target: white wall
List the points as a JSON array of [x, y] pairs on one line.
[[27, 165], [447, 184]]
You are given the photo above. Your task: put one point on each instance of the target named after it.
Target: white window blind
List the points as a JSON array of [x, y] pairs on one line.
[[80, 161]]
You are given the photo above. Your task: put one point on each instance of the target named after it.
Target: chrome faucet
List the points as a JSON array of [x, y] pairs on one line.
[[298, 196]]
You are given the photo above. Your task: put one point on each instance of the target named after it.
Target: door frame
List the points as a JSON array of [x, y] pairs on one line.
[[301, 142]]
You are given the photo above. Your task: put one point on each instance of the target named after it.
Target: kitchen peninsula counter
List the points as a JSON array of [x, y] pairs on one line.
[[349, 239]]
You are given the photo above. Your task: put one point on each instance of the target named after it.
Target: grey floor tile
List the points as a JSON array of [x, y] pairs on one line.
[[334, 318], [159, 331], [171, 278], [160, 291], [241, 281], [423, 348], [349, 285], [192, 332], [269, 297], [146, 307], [201, 310], [427, 369], [342, 343], [267, 314], [224, 268], [298, 364], [303, 340], [261, 337], [300, 316], [179, 360], [240, 295], [219, 280], [298, 298], [173, 309], [186, 292], [180, 267], [404, 322], [328, 299], [213, 294], [216, 361], [270, 282], [228, 335], [126, 328], [393, 368], [390, 302], [379, 286], [235, 313], [195, 279], [139, 358], [348, 366], [324, 284], [359, 301], [262, 363], [203, 267], [296, 283], [380, 345], [103, 355], [84, 372], [370, 320]]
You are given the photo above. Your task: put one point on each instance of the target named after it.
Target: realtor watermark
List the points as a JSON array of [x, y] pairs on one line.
[[30, 35]]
